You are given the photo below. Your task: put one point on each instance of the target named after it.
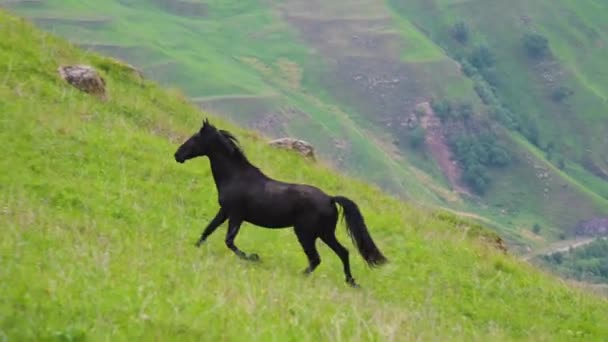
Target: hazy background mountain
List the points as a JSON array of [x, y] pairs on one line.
[[493, 108]]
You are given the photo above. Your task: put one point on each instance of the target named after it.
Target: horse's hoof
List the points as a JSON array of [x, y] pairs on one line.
[[253, 257], [352, 283], [198, 243]]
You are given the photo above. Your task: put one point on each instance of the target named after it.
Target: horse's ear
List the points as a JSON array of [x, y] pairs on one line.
[[205, 124]]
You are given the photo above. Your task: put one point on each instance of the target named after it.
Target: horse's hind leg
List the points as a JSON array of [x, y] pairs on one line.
[[307, 239], [330, 239]]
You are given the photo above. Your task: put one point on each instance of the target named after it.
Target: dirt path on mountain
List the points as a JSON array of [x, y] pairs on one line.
[[561, 246]]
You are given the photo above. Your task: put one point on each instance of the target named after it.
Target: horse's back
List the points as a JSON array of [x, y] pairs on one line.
[[312, 203], [275, 204]]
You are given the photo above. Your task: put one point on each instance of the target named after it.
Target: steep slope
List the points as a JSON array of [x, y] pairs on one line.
[[276, 79], [237, 59], [376, 86], [98, 223], [544, 65]]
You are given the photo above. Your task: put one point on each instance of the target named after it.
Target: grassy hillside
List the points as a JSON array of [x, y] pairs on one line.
[[263, 65], [98, 225], [237, 59], [352, 77]]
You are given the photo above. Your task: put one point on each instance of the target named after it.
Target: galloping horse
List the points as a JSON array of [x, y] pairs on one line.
[[245, 194]]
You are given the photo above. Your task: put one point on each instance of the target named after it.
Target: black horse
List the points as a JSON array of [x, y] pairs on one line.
[[245, 194]]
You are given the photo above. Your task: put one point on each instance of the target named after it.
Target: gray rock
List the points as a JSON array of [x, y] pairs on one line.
[[85, 78], [300, 146]]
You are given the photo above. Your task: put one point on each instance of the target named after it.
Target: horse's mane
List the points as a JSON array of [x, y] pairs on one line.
[[234, 142], [231, 142]]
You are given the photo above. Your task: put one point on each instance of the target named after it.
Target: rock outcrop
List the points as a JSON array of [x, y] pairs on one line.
[[85, 78], [300, 146]]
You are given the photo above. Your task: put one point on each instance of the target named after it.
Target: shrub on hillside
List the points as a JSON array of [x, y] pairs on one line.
[[490, 75], [505, 117], [560, 93], [468, 69], [464, 110], [482, 57], [442, 108], [476, 177], [475, 155], [555, 258], [447, 110], [485, 93], [536, 45], [416, 137], [460, 32], [499, 156]]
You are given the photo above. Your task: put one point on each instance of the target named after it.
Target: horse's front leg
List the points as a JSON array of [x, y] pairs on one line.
[[217, 221], [234, 225]]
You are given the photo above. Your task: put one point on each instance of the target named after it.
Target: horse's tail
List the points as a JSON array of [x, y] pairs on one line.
[[355, 225]]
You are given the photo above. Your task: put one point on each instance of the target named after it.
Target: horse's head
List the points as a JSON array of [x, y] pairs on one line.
[[207, 140]]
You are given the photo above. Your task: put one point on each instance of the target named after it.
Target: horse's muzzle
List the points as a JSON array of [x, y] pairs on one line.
[[179, 159]]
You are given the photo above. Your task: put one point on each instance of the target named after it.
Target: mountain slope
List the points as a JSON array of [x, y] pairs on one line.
[[98, 224], [366, 80], [554, 94], [252, 64]]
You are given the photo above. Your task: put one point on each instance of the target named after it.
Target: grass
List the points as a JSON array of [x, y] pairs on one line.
[[268, 43], [98, 224], [242, 51], [224, 56]]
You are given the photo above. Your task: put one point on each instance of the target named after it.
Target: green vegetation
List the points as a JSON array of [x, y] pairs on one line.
[[536, 45], [416, 137], [460, 32], [475, 147], [242, 60], [588, 263], [476, 154], [346, 77], [556, 97], [482, 57], [98, 225], [447, 110]]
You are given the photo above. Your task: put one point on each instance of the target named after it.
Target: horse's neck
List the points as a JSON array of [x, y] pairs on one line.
[[225, 169]]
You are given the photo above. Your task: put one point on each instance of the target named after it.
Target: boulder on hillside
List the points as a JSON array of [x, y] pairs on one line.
[[300, 146], [85, 78]]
